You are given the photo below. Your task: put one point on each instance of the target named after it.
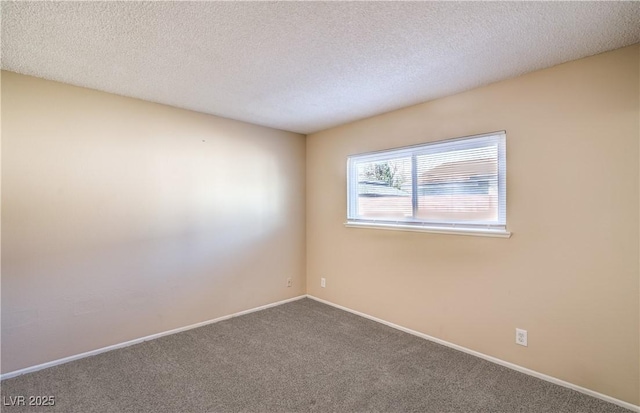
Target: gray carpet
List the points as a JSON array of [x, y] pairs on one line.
[[299, 357]]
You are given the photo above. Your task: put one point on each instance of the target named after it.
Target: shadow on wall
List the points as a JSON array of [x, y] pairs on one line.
[[106, 241]]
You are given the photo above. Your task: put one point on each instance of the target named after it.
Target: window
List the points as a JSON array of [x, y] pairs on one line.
[[452, 186]]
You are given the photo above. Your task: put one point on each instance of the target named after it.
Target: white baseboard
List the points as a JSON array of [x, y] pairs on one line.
[[140, 340], [507, 364]]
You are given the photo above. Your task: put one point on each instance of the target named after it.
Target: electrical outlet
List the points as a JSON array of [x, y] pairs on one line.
[[288, 282], [323, 282], [521, 337]]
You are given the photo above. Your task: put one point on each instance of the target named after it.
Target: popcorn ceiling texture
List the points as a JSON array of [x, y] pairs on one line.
[[302, 66]]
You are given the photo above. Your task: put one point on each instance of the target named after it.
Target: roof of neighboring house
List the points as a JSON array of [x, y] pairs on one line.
[[378, 188], [459, 171]]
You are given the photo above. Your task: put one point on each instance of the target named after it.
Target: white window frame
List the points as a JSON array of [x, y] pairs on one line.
[[482, 228]]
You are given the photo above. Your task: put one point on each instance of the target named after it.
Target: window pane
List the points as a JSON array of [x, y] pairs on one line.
[[458, 185], [384, 189]]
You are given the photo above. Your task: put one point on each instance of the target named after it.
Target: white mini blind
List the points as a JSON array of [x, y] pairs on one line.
[[458, 183]]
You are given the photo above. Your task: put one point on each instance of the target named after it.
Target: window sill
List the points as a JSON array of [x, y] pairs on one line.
[[435, 230]]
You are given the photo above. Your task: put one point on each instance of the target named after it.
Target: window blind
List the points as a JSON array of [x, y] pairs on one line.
[[458, 183]]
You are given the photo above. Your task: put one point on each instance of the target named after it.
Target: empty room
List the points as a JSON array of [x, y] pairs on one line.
[[320, 206]]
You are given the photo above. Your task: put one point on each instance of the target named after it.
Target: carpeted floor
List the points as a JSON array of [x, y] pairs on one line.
[[299, 357]]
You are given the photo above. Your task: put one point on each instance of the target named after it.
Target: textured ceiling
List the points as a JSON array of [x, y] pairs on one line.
[[302, 66]]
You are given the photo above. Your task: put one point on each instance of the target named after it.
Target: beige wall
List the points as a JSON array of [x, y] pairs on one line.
[[569, 275], [123, 218]]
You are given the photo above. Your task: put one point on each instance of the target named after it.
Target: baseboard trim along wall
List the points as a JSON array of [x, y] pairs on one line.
[[141, 339], [495, 360], [507, 364]]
